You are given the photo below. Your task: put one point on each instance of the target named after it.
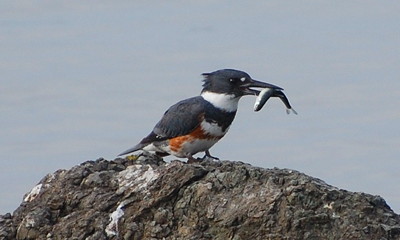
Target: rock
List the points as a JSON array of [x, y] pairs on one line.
[[146, 198]]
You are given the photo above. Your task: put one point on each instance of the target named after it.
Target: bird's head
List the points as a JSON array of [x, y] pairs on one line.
[[233, 82]]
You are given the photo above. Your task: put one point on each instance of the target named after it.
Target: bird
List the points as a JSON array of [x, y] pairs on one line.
[[195, 124]]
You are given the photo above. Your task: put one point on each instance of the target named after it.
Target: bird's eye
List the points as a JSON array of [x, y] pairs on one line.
[[237, 80]]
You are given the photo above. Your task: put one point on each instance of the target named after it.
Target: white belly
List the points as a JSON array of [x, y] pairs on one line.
[[189, 148], [195, 146]]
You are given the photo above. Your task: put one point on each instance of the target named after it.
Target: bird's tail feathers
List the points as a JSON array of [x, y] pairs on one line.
[[134, 149]]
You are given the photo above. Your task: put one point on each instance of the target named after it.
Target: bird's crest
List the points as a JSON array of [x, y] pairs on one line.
[[206, 80]]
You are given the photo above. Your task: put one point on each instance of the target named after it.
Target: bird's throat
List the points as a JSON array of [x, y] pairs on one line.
[[226, 102]]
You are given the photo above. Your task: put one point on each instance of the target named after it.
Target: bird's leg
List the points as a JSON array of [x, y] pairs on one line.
[[209, 155]]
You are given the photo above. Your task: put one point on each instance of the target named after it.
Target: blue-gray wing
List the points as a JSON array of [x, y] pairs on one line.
[[181, 118]]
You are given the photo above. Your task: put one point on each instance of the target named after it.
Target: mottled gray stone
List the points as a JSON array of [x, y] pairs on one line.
[[150, 199]]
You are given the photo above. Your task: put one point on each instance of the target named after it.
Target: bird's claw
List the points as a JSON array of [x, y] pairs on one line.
[[208, 155]]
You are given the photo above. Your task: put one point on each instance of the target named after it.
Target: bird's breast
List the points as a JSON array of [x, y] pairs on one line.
[[201, 139], [213, 129]]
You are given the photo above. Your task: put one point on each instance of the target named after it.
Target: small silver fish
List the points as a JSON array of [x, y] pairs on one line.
[[266, 93], [262, 98], [284, 99]]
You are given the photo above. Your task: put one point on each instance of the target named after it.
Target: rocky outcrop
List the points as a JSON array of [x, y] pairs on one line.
[[147, 198]]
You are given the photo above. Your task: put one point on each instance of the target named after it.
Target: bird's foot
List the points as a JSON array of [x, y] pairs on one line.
[[208, 155]]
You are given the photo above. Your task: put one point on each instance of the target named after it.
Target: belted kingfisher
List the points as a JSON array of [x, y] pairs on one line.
[[195, 124]]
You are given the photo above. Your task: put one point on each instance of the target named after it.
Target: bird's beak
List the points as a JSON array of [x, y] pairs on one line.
[[246, 87]]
